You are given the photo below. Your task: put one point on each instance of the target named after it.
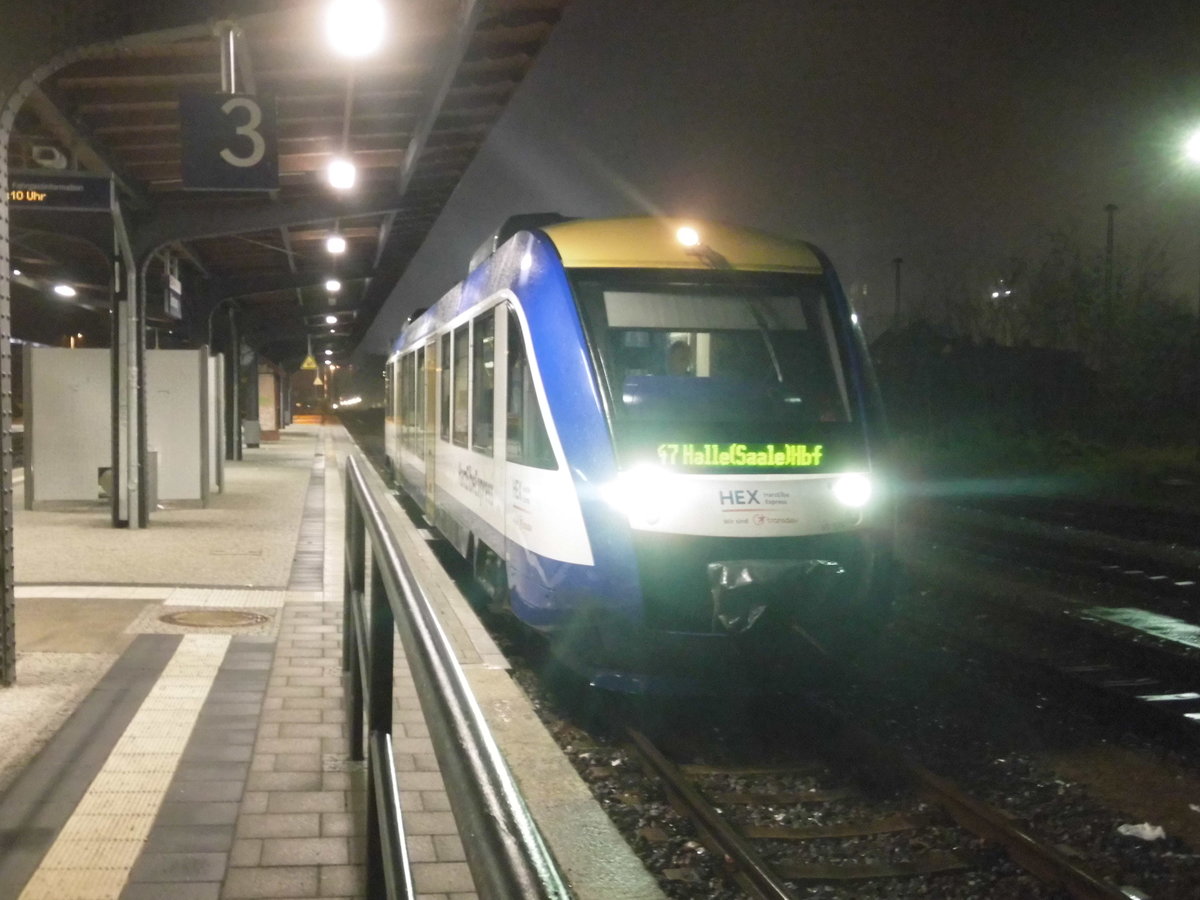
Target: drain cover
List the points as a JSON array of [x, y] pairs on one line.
[[213, 618]]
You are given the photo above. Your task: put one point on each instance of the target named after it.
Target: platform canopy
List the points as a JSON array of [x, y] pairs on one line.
[[152, 115]]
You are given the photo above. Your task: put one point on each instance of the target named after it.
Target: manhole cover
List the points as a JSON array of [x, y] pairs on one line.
[[213, 618]]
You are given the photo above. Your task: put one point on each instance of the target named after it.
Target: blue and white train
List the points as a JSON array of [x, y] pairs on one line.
[[653, 440]]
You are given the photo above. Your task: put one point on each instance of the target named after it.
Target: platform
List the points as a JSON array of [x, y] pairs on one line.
[[177, 728]]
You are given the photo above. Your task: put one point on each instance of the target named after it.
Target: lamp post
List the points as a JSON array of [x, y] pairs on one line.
[[1191, 150]]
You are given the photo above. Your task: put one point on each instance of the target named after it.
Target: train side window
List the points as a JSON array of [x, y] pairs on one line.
[[527, 442], [460, 419], [483, 378], [445, 388]]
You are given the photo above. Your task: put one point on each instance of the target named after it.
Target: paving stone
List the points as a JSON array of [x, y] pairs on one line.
[[420, 847], [306, 801], [444, 877], [276, 881], [219, 753], [449, 848], [196, 890], [209, 771], [210, 791], [435, 801], [343, 881], [305, 730], [263, 762], [297, 762], [275, 825], [189, 838], [342, 824], [284, 781], [328, 851], [183, 813], [254, 802], [179, 867], [245, 852], [295, 715], [290, 745]]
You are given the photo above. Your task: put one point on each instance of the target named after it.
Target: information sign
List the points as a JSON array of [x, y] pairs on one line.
[[229, 142], [59, 191]]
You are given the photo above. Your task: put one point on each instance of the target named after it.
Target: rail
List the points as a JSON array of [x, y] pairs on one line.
[[505, 852]]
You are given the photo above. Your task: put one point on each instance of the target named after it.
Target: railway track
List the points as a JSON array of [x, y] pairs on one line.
[[1085, 656], [1169, 574], [763, 860]]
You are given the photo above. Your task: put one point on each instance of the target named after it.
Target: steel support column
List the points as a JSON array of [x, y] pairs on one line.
[[233, 409]]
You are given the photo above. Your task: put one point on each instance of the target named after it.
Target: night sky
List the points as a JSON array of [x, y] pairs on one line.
[[952, 134]]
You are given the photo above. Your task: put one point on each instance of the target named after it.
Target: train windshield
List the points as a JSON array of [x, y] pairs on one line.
[[739, 363]]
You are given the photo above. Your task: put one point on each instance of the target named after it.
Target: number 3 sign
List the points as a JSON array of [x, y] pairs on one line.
[[228, 142]]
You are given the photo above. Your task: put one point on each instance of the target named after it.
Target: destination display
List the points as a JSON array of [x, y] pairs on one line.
[[757, 456], [53, 191]]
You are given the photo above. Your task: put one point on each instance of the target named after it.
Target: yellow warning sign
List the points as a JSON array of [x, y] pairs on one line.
[[309, 362]]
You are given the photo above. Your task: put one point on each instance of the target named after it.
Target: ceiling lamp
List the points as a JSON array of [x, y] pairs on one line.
[[335, 244], [333, 285], [341, 173], [329, 353], [64, 290], [355, 28], [331, 320]]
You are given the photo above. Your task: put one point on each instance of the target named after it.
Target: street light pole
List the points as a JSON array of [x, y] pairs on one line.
[[1109, 208], [896, 315]]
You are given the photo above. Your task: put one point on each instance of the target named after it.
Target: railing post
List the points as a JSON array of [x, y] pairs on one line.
[[352, 595], [382, 631]]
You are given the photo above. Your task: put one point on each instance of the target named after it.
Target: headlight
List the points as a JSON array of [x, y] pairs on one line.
[[853, 490], [644, 494]]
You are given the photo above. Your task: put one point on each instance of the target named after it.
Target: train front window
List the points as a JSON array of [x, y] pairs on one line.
[[716, 358]]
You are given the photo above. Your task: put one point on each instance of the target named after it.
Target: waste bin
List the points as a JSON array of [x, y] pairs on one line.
[[251, 432]]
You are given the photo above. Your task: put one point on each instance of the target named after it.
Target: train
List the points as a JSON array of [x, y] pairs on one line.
[[658, 442]]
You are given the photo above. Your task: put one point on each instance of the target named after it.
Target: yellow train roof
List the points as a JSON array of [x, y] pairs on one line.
[[653, 243]]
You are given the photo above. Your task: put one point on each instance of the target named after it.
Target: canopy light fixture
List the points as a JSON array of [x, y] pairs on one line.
[[64, 290], [331, 319], [335, 244], [355, 28], [333, 285], [329, 353], [688, 236], [342, 173]]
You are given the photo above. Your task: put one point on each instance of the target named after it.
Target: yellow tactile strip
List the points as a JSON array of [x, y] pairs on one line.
[[93, 854]]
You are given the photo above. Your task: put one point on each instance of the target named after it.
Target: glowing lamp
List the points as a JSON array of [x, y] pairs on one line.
[[333, 286], [335, 243], [355, 28], [688, 236], [64, 290], [853, 490], [1191, 149], [330, 320], [341, 173]]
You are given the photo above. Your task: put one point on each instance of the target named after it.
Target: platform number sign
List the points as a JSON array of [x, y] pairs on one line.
[[229, 142]]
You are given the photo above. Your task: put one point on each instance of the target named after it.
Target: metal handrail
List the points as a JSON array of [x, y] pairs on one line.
[[505, 851]]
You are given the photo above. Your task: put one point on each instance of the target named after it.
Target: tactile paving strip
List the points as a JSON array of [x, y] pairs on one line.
[[225, 599], [94, 852]]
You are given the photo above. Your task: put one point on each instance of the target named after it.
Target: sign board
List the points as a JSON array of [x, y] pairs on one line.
[[229, 142], [174, 304], [60, 191], [309, 363]]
